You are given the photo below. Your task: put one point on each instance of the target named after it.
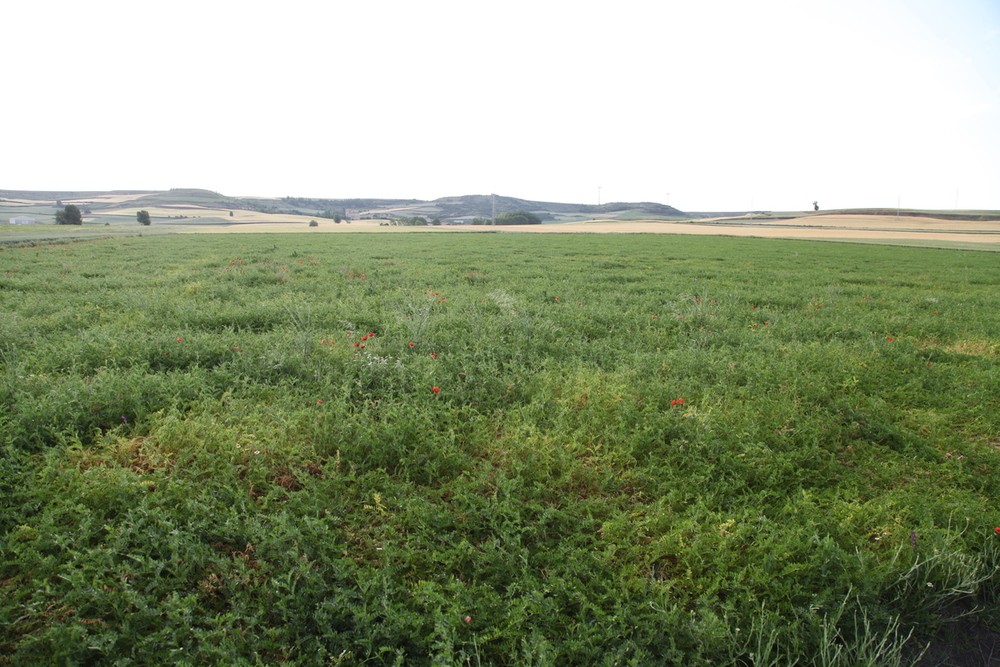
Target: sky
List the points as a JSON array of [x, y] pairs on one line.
[[711, 105]]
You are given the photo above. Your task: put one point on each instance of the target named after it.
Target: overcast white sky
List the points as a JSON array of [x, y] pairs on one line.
[[705, 105]]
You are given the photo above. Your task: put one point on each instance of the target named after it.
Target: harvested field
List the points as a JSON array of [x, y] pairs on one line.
[[106, 199], [870, 228]]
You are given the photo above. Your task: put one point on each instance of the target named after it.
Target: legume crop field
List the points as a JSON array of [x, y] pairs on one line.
[[485, 449]]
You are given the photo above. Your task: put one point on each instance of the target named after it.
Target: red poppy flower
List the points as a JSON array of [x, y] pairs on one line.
[[434, 355], [410, 344], [435, 389], [364, 338], [673, 402], [889, 339], [997, 530], [180, 340]]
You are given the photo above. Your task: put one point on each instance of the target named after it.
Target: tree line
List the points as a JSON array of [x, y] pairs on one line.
[[510, 218]]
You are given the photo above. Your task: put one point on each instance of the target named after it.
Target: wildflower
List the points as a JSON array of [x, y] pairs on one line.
[[673, 402], [889, 339], [410, 344], [435, 389], [468, 619], [180, 340], [364, 338], [913, 537], [997, 530], [681, 401], [434, 355], [124, 419], [319, 402], [357, 345]]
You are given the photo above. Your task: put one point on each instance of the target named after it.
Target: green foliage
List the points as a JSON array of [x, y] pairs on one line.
[[518, 218], [143, 218], [513, 449], [69, 216]]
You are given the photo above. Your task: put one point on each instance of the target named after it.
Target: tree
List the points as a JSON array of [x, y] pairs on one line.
[[518, 218], [143, 218], [69, 216]]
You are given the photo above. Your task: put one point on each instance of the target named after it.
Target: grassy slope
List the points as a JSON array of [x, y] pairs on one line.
[[203, 464]]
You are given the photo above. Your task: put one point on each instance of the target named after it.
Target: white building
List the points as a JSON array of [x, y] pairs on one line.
[[23, 220]]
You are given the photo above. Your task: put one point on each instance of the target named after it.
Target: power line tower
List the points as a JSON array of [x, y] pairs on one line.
[[493, 217]]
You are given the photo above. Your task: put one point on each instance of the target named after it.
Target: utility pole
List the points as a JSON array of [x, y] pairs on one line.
[[598, 195], [493, 201]]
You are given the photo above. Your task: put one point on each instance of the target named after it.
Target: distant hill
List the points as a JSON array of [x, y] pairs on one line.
[[43, 203], [482, 205], [456, 207], [444, 208]]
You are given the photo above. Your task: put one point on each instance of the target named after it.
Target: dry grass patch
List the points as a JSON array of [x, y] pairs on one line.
[[889, 222], [105, 199]]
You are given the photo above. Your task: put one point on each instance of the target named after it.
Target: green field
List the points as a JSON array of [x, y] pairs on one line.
[[495, 449]]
